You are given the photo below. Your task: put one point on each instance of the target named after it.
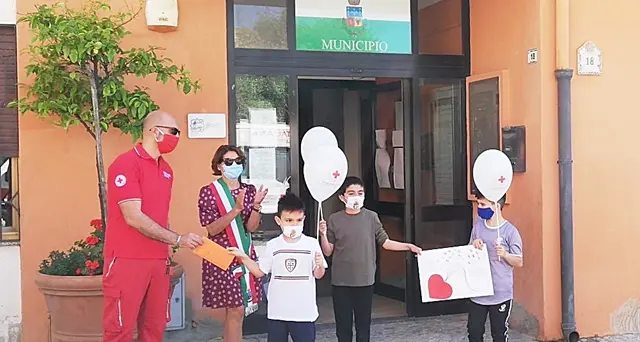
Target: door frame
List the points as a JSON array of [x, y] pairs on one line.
[[408, 68], [412, 118]]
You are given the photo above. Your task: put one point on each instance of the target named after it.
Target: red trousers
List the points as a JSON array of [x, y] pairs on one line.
[[136, 294]]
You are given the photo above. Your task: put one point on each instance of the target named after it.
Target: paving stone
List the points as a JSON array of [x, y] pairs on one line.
[[430, 329]]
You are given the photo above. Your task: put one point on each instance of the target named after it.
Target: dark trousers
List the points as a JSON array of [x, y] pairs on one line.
[[350, 302], [498, 317], [279, 331]]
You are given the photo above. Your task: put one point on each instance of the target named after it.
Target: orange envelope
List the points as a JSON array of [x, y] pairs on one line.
[[214, 253]]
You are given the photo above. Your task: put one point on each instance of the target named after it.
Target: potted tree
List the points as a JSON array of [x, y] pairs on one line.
[[78, 68]]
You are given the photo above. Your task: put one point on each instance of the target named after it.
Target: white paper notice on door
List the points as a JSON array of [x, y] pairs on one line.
[[262, 163], [454, 273], [398, 168]]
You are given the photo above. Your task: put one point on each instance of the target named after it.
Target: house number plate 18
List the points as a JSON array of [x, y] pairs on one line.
[[589, 59]]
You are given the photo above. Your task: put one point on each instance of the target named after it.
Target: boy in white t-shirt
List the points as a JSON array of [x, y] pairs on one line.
[[295, 261]]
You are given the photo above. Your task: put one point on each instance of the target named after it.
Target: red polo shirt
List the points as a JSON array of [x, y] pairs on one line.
[[136, 176]]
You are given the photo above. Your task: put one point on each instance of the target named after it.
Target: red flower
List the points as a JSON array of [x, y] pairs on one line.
[[92, 265], [96, 223], [78, 271], [91, 240]]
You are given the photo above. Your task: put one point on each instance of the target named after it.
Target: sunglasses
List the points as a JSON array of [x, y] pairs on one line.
[[172, 130], [229, 162]]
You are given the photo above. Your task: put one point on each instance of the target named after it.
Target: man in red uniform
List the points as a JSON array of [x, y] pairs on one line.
[[136, 274]]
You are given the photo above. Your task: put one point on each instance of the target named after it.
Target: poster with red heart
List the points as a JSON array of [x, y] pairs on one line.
[[454, 273]]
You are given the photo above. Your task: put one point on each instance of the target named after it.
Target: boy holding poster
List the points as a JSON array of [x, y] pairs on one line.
[[504, 245], [295, 261]]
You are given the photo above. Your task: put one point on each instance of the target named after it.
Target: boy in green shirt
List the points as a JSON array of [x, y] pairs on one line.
[[352, 235]]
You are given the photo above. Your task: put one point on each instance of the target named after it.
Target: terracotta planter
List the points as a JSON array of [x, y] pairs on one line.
[[75, 306]]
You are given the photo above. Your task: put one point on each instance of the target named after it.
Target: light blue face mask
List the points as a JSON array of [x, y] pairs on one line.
[[233, 171]]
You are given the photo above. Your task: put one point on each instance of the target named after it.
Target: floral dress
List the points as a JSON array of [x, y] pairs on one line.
[[220, 289]]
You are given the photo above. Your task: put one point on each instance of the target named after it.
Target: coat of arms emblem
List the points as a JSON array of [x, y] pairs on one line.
[[290, 264]]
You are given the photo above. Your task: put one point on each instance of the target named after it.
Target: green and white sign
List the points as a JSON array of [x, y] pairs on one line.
[[366, 26]]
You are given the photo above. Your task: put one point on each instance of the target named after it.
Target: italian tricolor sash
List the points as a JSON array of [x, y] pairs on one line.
[[240, 238]]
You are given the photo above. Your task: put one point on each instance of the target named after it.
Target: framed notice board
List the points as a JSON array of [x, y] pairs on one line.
[[485, 109]]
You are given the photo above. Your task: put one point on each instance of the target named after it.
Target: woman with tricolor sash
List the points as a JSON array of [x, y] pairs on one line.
[[230, 211]]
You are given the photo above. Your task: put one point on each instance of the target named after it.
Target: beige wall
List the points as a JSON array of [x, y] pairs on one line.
[[58, 181], [501, 33], [605, 124], [7, 12]]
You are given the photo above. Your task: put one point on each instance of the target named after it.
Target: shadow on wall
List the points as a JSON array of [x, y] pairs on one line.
[[522, 321]]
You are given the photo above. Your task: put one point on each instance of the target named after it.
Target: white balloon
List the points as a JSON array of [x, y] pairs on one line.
[[325, 171], [493, 173], [316, 137]]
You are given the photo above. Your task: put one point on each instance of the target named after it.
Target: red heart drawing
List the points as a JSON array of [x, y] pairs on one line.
[[438, 288]]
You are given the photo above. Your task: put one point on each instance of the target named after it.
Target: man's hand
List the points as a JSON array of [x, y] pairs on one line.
[[236, 252], [239, 207], [323, 228], [477, 243], [190, 240], [319, 260], [414, 249]]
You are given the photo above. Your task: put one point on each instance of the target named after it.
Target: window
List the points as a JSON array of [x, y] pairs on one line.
[[260, 24], [8, 135], [440, 27], [484, 112], [441, 138], [263, 133], [9, 199]]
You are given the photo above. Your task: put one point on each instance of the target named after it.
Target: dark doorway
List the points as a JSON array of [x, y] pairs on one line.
[[350, 109]]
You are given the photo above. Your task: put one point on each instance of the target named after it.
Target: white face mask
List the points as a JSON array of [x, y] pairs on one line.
[[292, 231], [355, 202]]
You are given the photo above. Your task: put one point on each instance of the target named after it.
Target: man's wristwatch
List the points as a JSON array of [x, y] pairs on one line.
[[257, 208]]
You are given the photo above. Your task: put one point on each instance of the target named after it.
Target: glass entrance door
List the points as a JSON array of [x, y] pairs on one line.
[[264, 124], [386, 181], [441, 212]]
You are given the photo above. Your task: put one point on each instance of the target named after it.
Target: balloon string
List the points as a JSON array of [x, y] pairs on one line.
[[320, 218], [498, 214], [318, 222]]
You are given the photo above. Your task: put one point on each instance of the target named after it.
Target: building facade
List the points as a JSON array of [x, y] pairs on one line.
[[413, 91], [10, 304]]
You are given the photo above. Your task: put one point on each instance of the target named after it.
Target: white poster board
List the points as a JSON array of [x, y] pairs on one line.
[[454, 273]]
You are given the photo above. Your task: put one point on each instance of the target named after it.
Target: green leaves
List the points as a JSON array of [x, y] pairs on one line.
[[70, 47]]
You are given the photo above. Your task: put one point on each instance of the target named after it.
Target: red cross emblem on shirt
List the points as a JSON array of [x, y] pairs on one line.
[[336, 174], [501, 179]]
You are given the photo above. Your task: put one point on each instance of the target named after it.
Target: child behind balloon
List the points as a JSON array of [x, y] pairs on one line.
[[504, 245]]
